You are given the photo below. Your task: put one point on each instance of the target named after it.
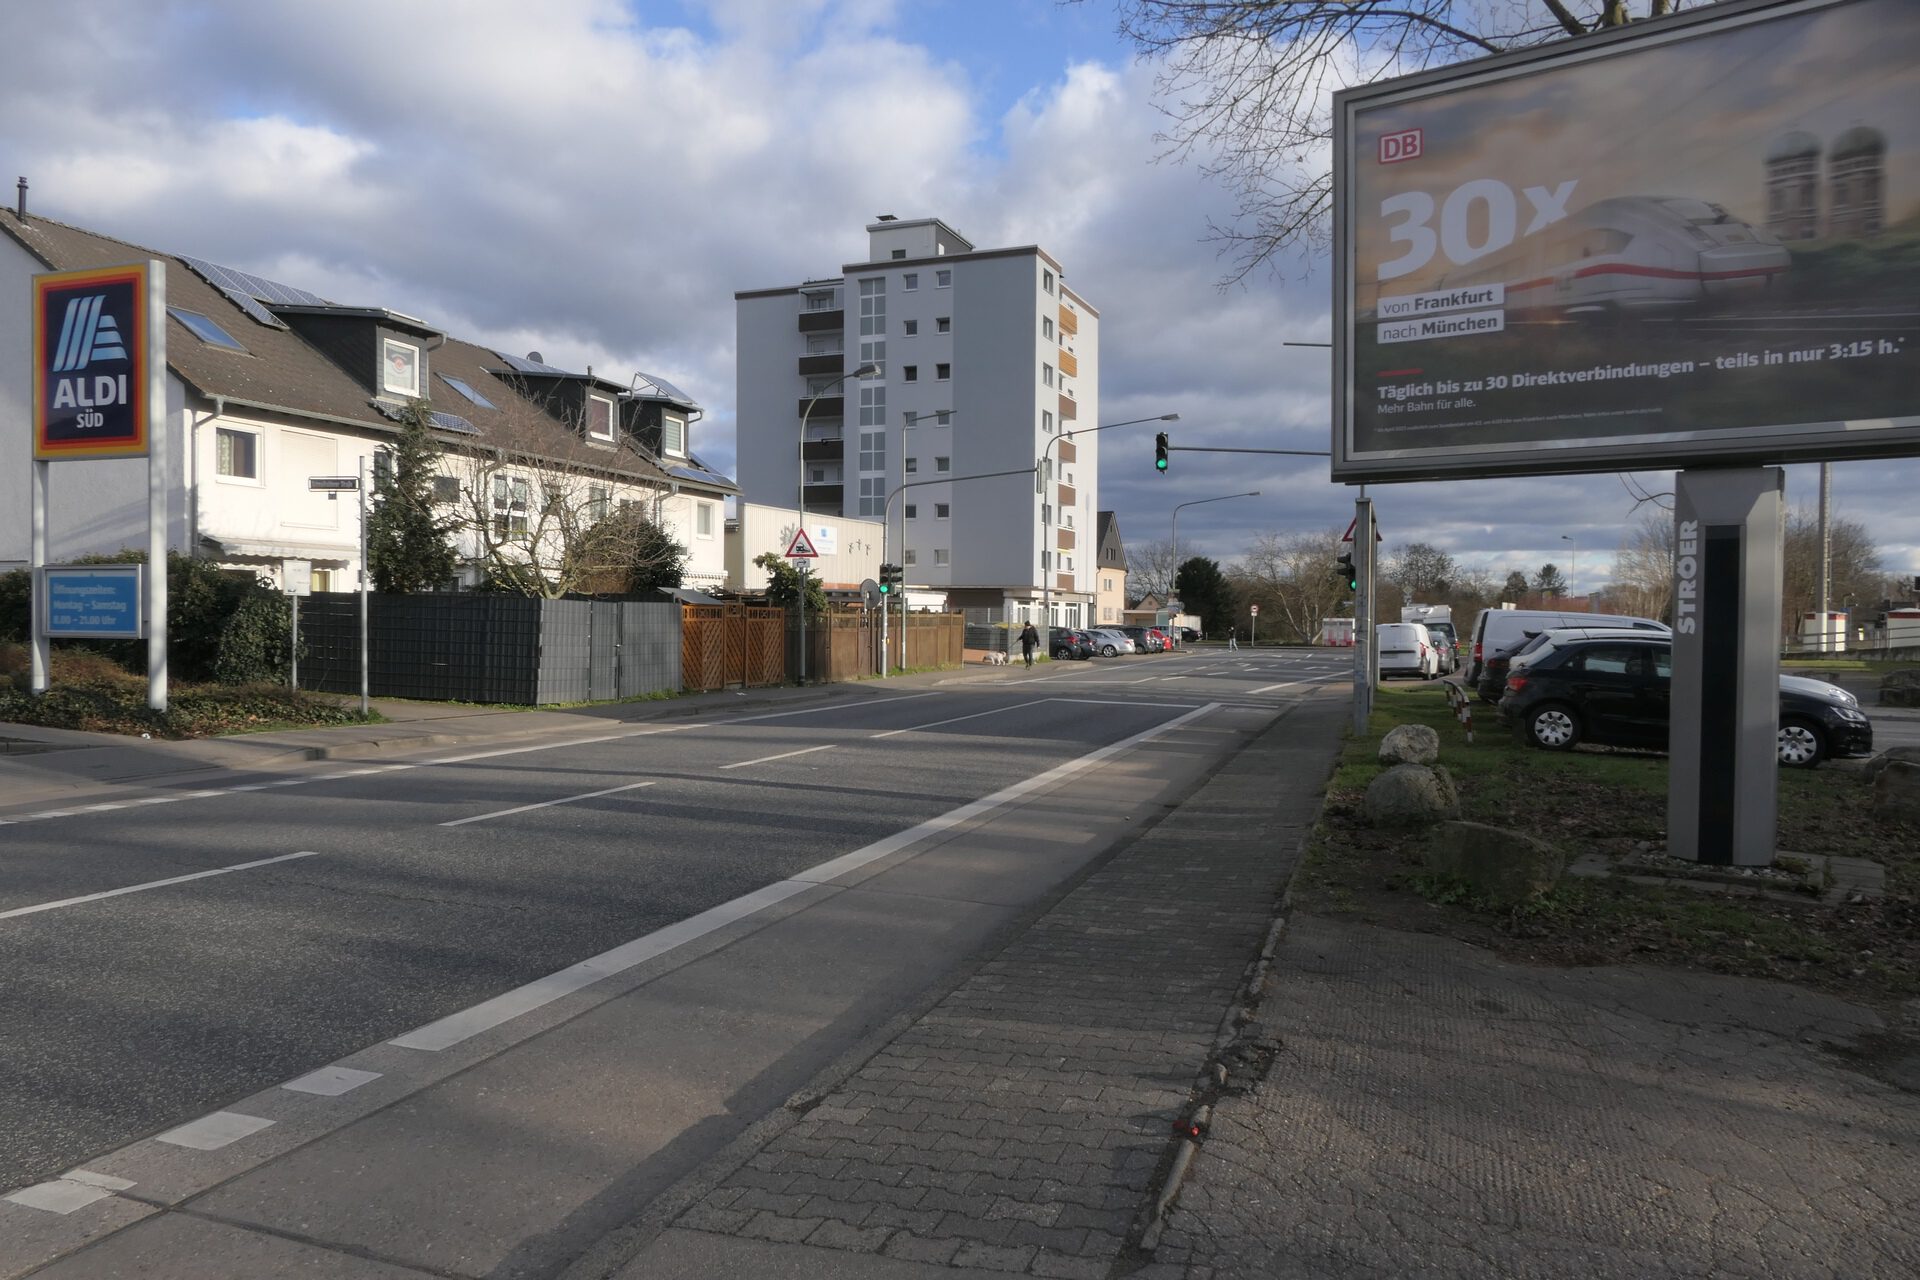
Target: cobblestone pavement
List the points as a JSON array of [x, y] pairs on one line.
[[1437, 1112], [1018, 1126]]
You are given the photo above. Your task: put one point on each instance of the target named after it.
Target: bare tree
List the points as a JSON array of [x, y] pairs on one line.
[[1856, 575], [1150, 569], [1423, 572], [1247, 86], [543, 511], [1643, 570], [1292, 577]]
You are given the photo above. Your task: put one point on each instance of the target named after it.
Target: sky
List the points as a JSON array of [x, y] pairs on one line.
[[594, 180]]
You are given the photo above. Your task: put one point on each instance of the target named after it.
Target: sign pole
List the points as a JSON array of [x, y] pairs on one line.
[[293, 649], [156, 408], [361, 480], [41, 644], [1362, 610]]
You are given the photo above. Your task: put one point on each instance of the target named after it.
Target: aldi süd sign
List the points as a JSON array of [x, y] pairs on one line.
[[90, 362], [1693, 241]]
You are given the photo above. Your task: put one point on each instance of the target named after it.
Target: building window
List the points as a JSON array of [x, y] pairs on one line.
[[941, 417], [873, 404], [236, 454], [1046, 375], [943, 324], [943, 464], [821, 383], [942, 372], [1046, 327], [465, 388], [913, 511], [942, 279], [875, 354], [821, 301], [910, 281], [1046, 513], [510, 507], [910, 373], [599, 502], [1046, 421], [205, 329], [873, 494], [933, 418], [873, 451], [673, 434], [873, 308], [911, 328], [399, 368], [446, 489], [599, 417], [1046, 280], [819, 476], [942, 510], [940, 555], [913, 465], [703, 519], [899, 253], [910, 556], [825, 344]]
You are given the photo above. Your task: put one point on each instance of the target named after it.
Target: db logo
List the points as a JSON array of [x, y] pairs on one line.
[[1404, 145]]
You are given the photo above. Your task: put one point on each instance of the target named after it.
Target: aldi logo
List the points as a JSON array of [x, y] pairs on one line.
[[90, 363]]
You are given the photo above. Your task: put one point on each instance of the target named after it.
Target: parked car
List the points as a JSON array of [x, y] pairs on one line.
[[1497, 629], [1165, 638], [1447, 643], [1189, 636], [1493, 681], [1617, 690], [1144, 639], [1065, 642], [1406, 649], [1112, 641]]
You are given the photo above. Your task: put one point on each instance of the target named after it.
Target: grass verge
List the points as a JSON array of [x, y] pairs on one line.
[[1614, 802]]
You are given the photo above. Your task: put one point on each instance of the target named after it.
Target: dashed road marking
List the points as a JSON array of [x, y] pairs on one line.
[[548, 804]]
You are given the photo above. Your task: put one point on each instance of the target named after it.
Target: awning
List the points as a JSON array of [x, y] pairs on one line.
[[242, 549]]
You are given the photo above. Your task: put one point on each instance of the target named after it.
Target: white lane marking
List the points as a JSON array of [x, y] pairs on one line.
[[212, 1132], [103, 808], [252, 786], [153, 884], [485, 1016], [155, 800], [548, 804], [935, 724], [331, 1082], [61, 1196], [50, 813], [93, 1179], [814, 711], [551, 746], [784, 755], [1292, 683], [468, 1023], [1127, 702]]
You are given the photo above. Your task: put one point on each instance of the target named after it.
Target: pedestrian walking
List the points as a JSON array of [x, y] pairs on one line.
[[1233, 639], [1029, 641]]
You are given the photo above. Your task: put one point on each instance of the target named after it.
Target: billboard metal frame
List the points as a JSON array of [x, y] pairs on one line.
[[1762, 443]]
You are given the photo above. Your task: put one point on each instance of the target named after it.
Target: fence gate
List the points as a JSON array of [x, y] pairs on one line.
[[732, 644]]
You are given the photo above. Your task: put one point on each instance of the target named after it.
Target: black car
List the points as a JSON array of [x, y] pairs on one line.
[[1493, 675], [1065, 642], [1618, 691]]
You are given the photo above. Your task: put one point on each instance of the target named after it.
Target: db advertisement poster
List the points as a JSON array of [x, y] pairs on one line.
[[1696, 242]]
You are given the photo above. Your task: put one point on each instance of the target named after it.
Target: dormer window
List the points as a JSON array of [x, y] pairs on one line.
[[599, 418], [399, 368], [673, 435]]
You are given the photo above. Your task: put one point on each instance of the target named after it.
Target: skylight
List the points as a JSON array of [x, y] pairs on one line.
[[465, 388], [205, 329]]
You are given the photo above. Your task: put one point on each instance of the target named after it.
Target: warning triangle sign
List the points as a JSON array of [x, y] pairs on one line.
[[1348, 535], [801, 548]]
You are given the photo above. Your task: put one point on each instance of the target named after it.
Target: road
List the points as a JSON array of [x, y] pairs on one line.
[[173, 950]]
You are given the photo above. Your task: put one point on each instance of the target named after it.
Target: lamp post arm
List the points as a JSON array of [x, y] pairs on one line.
[[1039, 487]]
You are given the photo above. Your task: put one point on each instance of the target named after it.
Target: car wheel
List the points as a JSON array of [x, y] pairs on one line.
[[1553, 727], [1802, 745], [1108, 651]]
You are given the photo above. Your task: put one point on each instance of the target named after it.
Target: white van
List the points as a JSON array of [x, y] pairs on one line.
[[1497, 629], [1406, 649]]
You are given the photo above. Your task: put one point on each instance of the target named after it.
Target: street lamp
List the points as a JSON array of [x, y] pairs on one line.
[[1573, 560], [864, 371], [1174, 533], [1039, 487]]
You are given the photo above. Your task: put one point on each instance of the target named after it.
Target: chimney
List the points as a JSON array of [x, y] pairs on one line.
[[20, 201]]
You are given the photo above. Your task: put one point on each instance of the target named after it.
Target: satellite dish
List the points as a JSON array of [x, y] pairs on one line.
[[536, 357]]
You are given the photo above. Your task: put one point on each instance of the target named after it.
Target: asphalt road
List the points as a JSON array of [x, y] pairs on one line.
[[178, 951]]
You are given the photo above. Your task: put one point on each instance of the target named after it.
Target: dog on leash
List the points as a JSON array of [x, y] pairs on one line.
[[996, 659]]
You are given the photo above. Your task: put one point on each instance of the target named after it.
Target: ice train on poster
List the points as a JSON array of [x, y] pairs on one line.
[[1696, 240]]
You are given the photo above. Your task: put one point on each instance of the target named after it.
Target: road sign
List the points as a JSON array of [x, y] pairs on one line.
[[870, 593], [1254, 610], [297, 577], [99, 602], [1348, 535], [801, 548], [333, 484]]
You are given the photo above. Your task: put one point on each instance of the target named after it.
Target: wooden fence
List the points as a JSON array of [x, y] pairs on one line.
[[722, 645]]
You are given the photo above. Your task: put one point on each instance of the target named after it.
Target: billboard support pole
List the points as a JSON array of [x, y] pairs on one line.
[[1362, 609], [156, 602], [41, 645], [1723, 777]]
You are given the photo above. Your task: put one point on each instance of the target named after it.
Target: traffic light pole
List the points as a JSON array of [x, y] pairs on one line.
[[886, 534]]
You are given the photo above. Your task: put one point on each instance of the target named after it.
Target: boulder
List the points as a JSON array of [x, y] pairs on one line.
[[1892, 755], [1410, 744], [1505, 868], [1896, 791], [1900, 689], [1410, 795]]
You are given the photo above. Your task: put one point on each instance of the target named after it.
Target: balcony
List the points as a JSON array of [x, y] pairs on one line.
[[823, 321], [1063, 582], [824, 450], [1069, 411], [1066, 539], [831, 363], [1065, 495], [1069, 363], [823, 408], [1068, 453], [826, 499]]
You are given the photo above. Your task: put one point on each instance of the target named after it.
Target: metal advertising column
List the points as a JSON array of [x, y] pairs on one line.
[[1723, 782]]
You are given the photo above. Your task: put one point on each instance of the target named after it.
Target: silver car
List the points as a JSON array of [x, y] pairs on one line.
[[1111, 643]]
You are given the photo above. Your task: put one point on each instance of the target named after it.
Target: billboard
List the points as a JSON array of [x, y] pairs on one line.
[[90, 363], [1694, 241], [98, 602]]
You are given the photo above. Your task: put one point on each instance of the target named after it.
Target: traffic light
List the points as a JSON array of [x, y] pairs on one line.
[[889, 578], [1347, 574], [1160, 452]]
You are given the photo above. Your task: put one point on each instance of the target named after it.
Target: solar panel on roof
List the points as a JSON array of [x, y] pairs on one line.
[[247, 291], [665, 388], [698, 473], [466, 389], [520, 364], [453, 422]]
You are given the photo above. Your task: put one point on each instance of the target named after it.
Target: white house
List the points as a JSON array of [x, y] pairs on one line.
[[985, 358], [269, 385]]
